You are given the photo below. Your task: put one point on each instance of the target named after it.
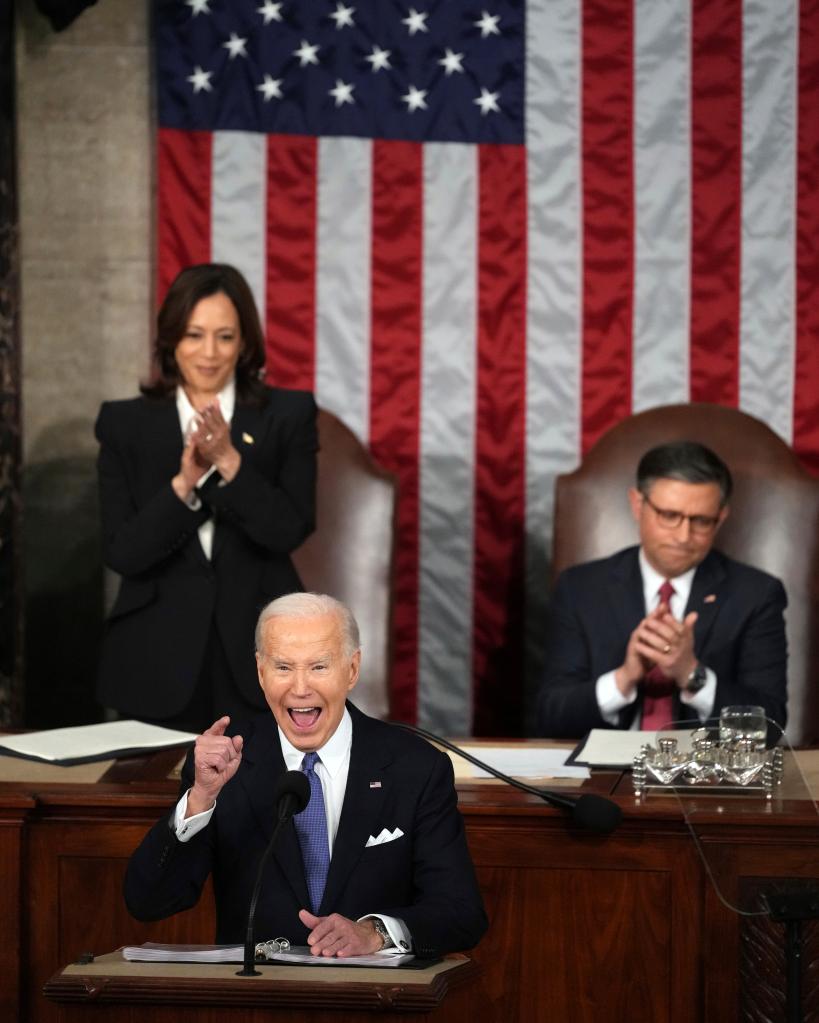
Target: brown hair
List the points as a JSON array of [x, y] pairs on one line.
[[190, 286]]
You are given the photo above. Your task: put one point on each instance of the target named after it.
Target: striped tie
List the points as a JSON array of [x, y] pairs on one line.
[[658, 706]]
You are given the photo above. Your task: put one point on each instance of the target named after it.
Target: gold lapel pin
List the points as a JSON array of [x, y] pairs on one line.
[[709, 599], [247, 438]]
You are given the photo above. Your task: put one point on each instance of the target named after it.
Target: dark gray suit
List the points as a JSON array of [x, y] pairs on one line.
[[739, 634], [395, 780], [171, 595]]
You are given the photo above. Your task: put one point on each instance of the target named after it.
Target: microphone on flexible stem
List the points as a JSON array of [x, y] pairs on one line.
[[596, 813], [291, 796]]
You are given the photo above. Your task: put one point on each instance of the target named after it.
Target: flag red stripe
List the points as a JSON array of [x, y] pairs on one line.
[[290, 314], [395, 366], [500, 441], [716, 200], [806, 390], [608, 216], [183, 202]]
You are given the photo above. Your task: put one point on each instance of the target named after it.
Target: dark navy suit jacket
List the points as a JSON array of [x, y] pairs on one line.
[[171, 594], [395, 780], [739, 634]]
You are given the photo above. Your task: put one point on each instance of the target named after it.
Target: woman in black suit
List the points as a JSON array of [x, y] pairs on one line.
[[207, 483]]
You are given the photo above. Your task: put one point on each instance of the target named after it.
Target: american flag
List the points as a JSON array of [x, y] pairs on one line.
[[484, 232]]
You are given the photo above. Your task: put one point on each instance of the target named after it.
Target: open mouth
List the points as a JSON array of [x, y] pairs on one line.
[[304, 718]]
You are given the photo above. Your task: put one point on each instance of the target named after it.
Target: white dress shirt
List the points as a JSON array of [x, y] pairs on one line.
[[332, 767], [187, 417], [609, 698]]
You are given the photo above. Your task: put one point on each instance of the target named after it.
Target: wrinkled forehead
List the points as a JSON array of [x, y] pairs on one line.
[[302, 638]]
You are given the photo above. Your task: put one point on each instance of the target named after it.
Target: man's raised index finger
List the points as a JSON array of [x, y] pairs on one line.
[[218, 727]]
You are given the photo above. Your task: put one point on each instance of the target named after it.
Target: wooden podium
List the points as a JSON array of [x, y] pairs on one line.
[[111, 989]]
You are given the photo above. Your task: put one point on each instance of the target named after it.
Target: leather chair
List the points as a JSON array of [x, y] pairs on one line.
[[350, 554], [772, 525]]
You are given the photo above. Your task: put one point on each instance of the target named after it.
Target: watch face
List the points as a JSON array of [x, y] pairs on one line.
[[696, 680]]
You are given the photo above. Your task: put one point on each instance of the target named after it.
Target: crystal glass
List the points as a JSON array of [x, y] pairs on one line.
[[741, 722]]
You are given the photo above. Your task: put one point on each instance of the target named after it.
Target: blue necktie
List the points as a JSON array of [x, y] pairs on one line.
[[311, 827]]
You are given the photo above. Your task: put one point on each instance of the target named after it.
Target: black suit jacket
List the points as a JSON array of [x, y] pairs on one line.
[[170, 593], [740, 634], [395, 779]]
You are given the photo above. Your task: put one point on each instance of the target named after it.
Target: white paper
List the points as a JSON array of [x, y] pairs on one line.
[[90, 741], [519, 762], [152, 952], [617, 748]]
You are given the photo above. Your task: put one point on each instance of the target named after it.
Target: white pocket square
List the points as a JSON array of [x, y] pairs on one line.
[[385, 836]]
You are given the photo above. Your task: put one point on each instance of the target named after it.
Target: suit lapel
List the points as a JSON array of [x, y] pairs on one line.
[[626, 598], [162, 436], [369, 762], [246, 433], [706, 597], [263, 755]]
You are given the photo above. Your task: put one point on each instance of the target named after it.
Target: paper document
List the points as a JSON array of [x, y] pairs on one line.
[[615, 748], [93, 742], [518, 762], [151, 952]]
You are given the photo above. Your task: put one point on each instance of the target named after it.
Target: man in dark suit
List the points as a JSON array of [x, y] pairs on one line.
[[669, 630], [378, 859]]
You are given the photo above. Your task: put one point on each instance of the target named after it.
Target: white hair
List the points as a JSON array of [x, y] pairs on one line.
[[311, 605]]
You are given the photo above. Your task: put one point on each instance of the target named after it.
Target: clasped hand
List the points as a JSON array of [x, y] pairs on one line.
[[659, 641], [207, 444]]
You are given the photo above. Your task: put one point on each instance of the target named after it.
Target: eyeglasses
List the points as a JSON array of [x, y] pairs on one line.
[[672, 519]]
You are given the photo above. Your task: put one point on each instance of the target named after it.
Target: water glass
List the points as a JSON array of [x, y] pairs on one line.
[[743, 722]]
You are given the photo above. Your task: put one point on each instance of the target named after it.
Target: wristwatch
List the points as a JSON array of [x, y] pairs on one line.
[[381, 930], [696, 680]]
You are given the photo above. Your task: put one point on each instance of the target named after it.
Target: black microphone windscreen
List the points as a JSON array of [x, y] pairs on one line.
[[293, 789], [596, 813]]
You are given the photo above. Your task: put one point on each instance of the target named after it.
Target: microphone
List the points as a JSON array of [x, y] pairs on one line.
[[590, 811], [292, 794]]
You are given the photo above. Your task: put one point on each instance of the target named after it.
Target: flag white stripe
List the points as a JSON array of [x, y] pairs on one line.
[[447, 437], [239, 206], [767, 318], [662, 202], [554, 288], [343, 247]]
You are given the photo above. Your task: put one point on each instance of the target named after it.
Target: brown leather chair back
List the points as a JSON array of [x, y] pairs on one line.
[[350, 554], [772, 525]]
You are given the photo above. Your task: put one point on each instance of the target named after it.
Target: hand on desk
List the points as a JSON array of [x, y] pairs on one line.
[[335, 935], [216, 758]]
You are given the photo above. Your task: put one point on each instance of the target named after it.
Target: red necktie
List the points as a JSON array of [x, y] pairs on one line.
[[657, 687]]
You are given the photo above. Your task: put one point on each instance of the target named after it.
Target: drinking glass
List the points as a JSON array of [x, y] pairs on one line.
[[743, 722]]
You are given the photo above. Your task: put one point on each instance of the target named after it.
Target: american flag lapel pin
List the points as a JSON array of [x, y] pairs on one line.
[[710, 599], [375, 784]]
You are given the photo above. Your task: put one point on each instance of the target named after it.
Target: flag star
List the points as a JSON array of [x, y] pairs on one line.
[[415, 99], [270, 88], [488, 101], [451, 62], [198, 7], [200, 80], [488, 24], [415, 21], [270, 11], [343, 15], [379, 58], [342, 93], [235, 46], [306, 53]]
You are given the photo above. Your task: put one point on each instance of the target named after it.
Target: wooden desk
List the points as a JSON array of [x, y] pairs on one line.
[[112, 990], [583, 928]]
